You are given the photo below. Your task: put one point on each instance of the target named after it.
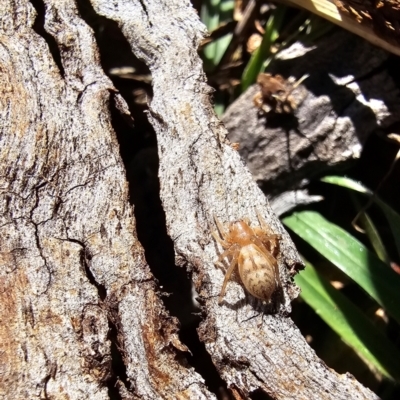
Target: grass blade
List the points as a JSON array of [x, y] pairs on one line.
[[256, 63], [350, 256], [372, 233], [213, 13], [349, 323], [392, 216]]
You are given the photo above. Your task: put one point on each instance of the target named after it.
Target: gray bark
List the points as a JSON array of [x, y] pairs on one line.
[[74, 282], [75, 288]]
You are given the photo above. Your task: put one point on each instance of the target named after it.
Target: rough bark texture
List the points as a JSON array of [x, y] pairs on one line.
[[77, 297], [338, 106], [75, 286], [201, 176]]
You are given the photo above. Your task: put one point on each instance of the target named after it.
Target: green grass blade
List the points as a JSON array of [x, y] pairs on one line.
[[392, 216], [347, 320], [372, 233], [213, 13], [219, 106], [351, 256], [347, 183], [374, 238], [256, 63]]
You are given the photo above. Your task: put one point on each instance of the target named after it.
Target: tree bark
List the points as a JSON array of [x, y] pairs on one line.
[[79, 298]]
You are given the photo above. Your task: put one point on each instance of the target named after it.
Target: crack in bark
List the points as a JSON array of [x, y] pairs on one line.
[[38, 27], [151, 226], [118, 368], [119, 376], [37, 238], [143, 4], [173, 279], [86, 257]]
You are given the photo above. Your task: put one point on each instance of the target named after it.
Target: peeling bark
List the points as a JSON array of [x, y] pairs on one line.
[[78, 299]]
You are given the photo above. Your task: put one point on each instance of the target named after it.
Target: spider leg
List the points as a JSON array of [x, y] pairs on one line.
[[269, 233], [228, 274], [225, 254], [272, 240], [264, 224], [232, 249], [262, 247], [222, 242], [220, 227], [275, 246]]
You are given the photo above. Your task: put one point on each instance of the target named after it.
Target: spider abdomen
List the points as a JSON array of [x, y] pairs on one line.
[[256, 272]]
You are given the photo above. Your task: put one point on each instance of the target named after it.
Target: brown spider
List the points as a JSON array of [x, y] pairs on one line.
[[254, 251]]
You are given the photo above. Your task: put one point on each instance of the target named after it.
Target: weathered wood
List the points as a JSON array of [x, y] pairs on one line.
[[339, 106], [201, 175], [382, 17], [76, 295]]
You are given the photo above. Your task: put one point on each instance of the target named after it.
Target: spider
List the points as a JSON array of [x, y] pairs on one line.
[[254, 252]]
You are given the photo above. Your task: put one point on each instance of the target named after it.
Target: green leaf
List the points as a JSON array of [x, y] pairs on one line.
[[349, 322], [372, 233], [392, 216], [374, 238], [219, 106], [213, 13], [256, 63], [351, 256], [347, 183]]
